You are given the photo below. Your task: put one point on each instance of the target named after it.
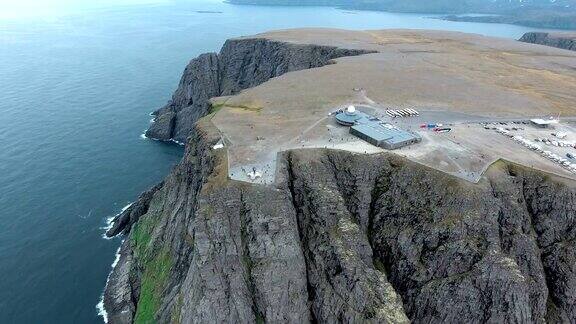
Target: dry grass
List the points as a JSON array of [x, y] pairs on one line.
[[429, 70]]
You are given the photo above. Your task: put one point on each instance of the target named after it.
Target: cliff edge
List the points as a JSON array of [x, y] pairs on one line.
[[241, 64], [348, 237]]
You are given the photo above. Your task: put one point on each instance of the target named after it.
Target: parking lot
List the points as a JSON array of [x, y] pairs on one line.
[[473, 143], [556, 144]]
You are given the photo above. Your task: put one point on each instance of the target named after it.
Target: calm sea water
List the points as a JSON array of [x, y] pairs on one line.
[[76, 88]]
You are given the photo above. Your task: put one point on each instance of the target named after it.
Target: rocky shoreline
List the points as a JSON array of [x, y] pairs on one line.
[[340, 237]]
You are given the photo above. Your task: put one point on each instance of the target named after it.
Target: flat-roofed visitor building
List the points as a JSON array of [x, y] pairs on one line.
[[374, 131], [382, 136]]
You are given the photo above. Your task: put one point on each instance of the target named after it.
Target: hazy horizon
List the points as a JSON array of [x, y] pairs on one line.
[[14, 9]]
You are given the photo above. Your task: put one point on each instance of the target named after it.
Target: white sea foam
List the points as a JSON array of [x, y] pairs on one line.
[[175, 141], [100, 306], [143, 136], [109, 222], [101, 311], [116, 259]]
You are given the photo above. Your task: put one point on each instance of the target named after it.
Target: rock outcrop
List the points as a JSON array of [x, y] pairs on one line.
[[340, 237], [241, 64], [560, 40], [124, 221]]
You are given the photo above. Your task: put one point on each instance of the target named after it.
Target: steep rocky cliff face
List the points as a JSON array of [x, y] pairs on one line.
[[563, 41], [340, 237], [347, 238], [241, 64]]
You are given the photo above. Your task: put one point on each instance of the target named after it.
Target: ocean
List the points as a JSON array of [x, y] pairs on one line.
[[77, 84]]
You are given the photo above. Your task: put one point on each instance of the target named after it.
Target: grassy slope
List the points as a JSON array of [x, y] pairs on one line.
[[155, 261]]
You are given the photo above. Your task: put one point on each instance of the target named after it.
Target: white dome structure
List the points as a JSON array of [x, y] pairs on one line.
[[351, 110]]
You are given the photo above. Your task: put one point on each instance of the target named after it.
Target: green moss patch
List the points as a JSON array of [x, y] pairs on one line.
[[141, 234], [153, 283], [154, 260]]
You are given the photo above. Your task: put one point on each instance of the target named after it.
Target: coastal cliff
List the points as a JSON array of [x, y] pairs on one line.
[[340, 237], [346, 237], [564, 41], [241, 64]]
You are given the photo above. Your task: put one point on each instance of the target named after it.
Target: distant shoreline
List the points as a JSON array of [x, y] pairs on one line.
[[545, 20], [208, 12], [553, 17]]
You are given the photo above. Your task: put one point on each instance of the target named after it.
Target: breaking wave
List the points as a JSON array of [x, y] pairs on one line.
[[100, 306], [110, 222]]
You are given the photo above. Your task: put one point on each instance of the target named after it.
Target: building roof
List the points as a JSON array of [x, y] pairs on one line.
[[372, 127], [376, 132], [401, 136], [541, 121], [380, 133], [348, 118]]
